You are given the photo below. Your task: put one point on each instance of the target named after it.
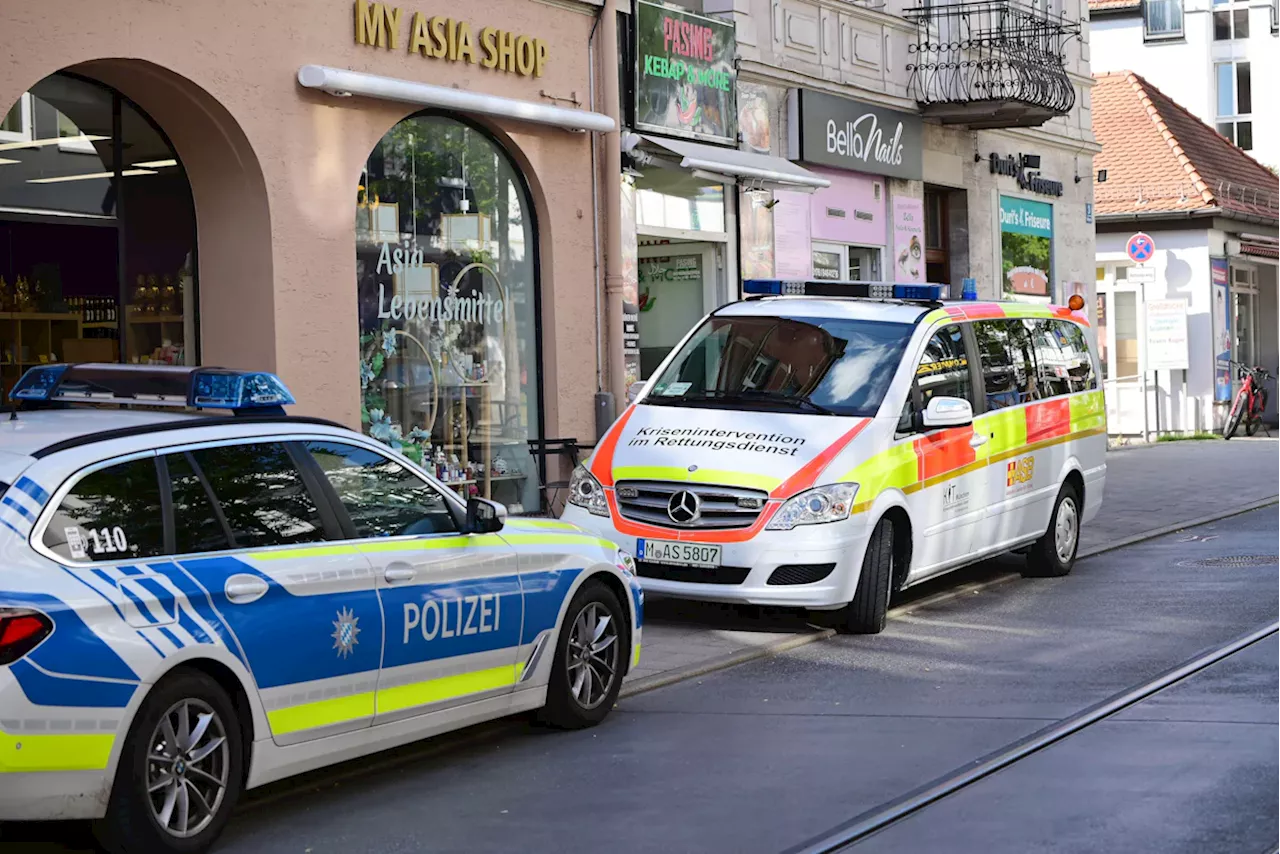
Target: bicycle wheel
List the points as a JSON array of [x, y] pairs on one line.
[[1233, 420], [1255, 413]]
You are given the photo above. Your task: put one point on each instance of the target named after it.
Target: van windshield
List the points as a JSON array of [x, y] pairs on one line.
[[823, 366]]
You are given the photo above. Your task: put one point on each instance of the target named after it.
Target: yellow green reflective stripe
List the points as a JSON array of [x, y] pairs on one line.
[[748, 480], [1021, 309], [635, 655], [428, 543], [938, 314], [447, 688], [1006, 427], [895, 468], [1088, 411], [79, 752], [321, 713], [557, 540], [542, 523]]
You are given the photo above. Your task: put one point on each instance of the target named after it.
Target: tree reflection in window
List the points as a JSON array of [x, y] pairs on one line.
[[125, 496], [262, 494], [382, 497]]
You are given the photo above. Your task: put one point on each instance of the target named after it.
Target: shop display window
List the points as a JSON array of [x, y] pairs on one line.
[[97, 233], [447, 283]]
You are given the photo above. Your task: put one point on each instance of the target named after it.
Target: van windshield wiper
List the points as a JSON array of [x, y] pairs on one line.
[[755, 396]]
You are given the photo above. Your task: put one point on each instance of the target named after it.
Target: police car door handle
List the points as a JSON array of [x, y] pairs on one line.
[[243, 589], [396, 573], [977, 440]]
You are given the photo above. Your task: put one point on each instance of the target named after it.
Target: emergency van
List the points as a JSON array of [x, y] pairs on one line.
[[823, 444], [192, 604]]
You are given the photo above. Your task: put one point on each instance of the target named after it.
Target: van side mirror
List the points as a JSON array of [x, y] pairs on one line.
[[635, 390], [484, 516], [947, 412]]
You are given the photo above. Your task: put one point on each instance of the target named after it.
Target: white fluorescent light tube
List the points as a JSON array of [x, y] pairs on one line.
[[156, 164], [4, 161], [128, 173], [53, 140]]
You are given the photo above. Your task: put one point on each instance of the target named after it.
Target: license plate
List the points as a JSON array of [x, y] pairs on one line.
[[678, 554]]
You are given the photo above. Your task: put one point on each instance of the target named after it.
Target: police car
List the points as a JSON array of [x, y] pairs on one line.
[[824, 444], [195, 604]]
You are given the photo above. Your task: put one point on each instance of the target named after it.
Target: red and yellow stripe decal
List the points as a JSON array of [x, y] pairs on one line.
[[989, 310]]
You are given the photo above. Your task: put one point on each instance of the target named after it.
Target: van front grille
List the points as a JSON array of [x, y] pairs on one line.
[[718, 507]]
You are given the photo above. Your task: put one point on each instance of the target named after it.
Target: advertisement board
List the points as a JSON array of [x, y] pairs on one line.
[[828, 130], [908, 240], [1026, 247], [686, 80], [1167, 335], [1221, 329]]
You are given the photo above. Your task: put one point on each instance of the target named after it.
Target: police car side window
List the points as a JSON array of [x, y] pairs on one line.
[[1008, 362], [197, 526], [382, 497], [261, 494], [110, 514]]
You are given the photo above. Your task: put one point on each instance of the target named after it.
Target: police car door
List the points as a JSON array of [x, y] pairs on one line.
[[253, 531], [951, 499], [452, 602]]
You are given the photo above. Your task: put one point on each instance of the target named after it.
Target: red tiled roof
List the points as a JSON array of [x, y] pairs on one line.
[[1160, 158], [1113, 5]]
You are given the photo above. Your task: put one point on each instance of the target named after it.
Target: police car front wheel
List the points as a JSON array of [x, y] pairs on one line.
[[587, 673], [180, 770]]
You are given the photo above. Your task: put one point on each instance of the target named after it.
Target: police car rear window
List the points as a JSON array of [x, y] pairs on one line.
[[817, 365]]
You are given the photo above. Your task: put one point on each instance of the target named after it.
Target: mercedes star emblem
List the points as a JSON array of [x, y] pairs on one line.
[[684, 508]]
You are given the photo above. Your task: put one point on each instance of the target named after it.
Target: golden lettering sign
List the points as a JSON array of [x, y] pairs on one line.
[[437, 37]]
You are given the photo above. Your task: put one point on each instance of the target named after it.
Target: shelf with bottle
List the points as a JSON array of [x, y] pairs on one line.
[[155, 299]]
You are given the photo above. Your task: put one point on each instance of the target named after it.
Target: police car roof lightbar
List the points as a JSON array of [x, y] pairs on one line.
[[153, 385], [827, 288]]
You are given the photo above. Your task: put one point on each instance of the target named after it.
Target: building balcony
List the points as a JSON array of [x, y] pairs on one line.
[[990, 64]]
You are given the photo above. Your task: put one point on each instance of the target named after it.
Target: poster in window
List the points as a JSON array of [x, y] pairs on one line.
[[908, 240], [1221, 330], [685, 76], [756, 232], [753, 117], [1026, 248], [791, 235]]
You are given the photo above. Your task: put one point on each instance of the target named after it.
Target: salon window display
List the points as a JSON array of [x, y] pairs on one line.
[[446, 279]]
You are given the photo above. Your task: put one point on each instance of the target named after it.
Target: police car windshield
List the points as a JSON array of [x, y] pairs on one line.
[[823, 366]]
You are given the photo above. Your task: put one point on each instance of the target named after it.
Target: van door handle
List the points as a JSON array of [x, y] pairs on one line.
[[397, 573], [977, 440], [242, 589]]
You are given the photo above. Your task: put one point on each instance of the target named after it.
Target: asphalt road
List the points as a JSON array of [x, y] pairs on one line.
[[776, 753]]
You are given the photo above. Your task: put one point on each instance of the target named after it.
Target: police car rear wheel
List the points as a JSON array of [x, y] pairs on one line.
[[587, 671], [865, 615], [1054, 554], [180, 770]]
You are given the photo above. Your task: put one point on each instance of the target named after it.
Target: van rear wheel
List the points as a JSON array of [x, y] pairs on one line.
[[1053, 555], [865, 615]]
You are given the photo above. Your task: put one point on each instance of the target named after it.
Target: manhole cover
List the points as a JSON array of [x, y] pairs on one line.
[[1233, 561]]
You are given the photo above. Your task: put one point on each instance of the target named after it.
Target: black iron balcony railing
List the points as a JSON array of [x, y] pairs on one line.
[[992, 63]]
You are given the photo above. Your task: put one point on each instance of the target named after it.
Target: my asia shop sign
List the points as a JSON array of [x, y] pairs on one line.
[[451, 39], [1026, 247], [686, 83]]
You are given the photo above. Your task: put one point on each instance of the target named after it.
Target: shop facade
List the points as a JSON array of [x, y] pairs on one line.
[[355, 207]]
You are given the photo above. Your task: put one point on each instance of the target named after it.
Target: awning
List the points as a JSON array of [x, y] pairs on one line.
[[763, 170], [1260, 250]]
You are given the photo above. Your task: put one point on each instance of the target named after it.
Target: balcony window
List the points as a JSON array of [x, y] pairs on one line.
[[1231, 24], [1162, 19], [1234, 84]]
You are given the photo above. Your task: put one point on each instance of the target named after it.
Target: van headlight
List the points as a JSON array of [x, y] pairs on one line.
[[814, 506], [585, 491]]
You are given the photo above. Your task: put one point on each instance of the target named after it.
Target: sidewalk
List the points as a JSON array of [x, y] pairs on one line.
[[1149, 488]]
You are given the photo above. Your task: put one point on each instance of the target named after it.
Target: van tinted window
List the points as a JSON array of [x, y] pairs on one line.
[[1080, 375], [944, 367], [1008, 362]]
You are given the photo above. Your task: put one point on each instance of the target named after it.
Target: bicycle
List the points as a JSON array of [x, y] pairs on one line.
[[1250, 401]]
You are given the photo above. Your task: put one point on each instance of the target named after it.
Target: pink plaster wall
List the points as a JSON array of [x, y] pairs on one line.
[[849, 192], [274, 167]]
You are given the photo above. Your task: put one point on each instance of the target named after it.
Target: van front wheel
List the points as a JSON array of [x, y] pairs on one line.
[[1053, 555], [865, 615]]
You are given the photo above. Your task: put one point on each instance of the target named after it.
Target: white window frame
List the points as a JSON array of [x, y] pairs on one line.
[[1148, 35], [842, 249], [28, 131], [1231, 7], [1234, 118]]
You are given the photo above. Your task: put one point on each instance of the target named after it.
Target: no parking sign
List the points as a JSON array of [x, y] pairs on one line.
[[1140, 248]]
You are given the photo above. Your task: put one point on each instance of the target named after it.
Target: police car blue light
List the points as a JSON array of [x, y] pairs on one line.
[[158, 385], [826, 288]]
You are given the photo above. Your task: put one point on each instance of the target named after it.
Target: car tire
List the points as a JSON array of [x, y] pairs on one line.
[[590, 661], [866, 614], [1053, 555], [206, 774]]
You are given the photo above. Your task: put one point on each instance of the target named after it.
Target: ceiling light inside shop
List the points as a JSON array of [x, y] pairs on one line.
[[156, 164], [53, 140], [128, 173]]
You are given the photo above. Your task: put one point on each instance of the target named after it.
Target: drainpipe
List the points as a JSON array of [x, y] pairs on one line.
[[616, 379], [597, 269]]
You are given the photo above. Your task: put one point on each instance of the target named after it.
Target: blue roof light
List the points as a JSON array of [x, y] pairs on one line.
[[828, 288], [37, 383], [234, 390], [154, 385]]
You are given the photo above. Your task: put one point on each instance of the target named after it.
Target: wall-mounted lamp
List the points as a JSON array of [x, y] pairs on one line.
[[977, 158]]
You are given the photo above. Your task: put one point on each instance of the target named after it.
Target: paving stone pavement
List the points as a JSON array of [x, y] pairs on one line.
[[1148, 488]]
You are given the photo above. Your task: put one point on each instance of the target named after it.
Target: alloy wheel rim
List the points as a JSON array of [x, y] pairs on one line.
[[591, 656], [188, 768], [1066, 530]]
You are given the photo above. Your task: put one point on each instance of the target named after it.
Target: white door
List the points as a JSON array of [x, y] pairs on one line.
[[1125, 384], [678, 285]]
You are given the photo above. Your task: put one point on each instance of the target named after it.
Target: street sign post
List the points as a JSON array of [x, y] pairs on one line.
[[1140, 248]]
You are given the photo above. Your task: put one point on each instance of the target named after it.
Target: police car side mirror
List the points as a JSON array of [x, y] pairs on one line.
[[484, 516], [947, 412]]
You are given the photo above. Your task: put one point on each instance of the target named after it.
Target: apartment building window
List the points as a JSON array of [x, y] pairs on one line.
[[1275, 16], [1234, 82], [1230, 20], [1161, 19]]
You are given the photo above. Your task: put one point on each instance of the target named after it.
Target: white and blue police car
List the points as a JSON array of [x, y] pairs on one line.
[[192, 604]]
